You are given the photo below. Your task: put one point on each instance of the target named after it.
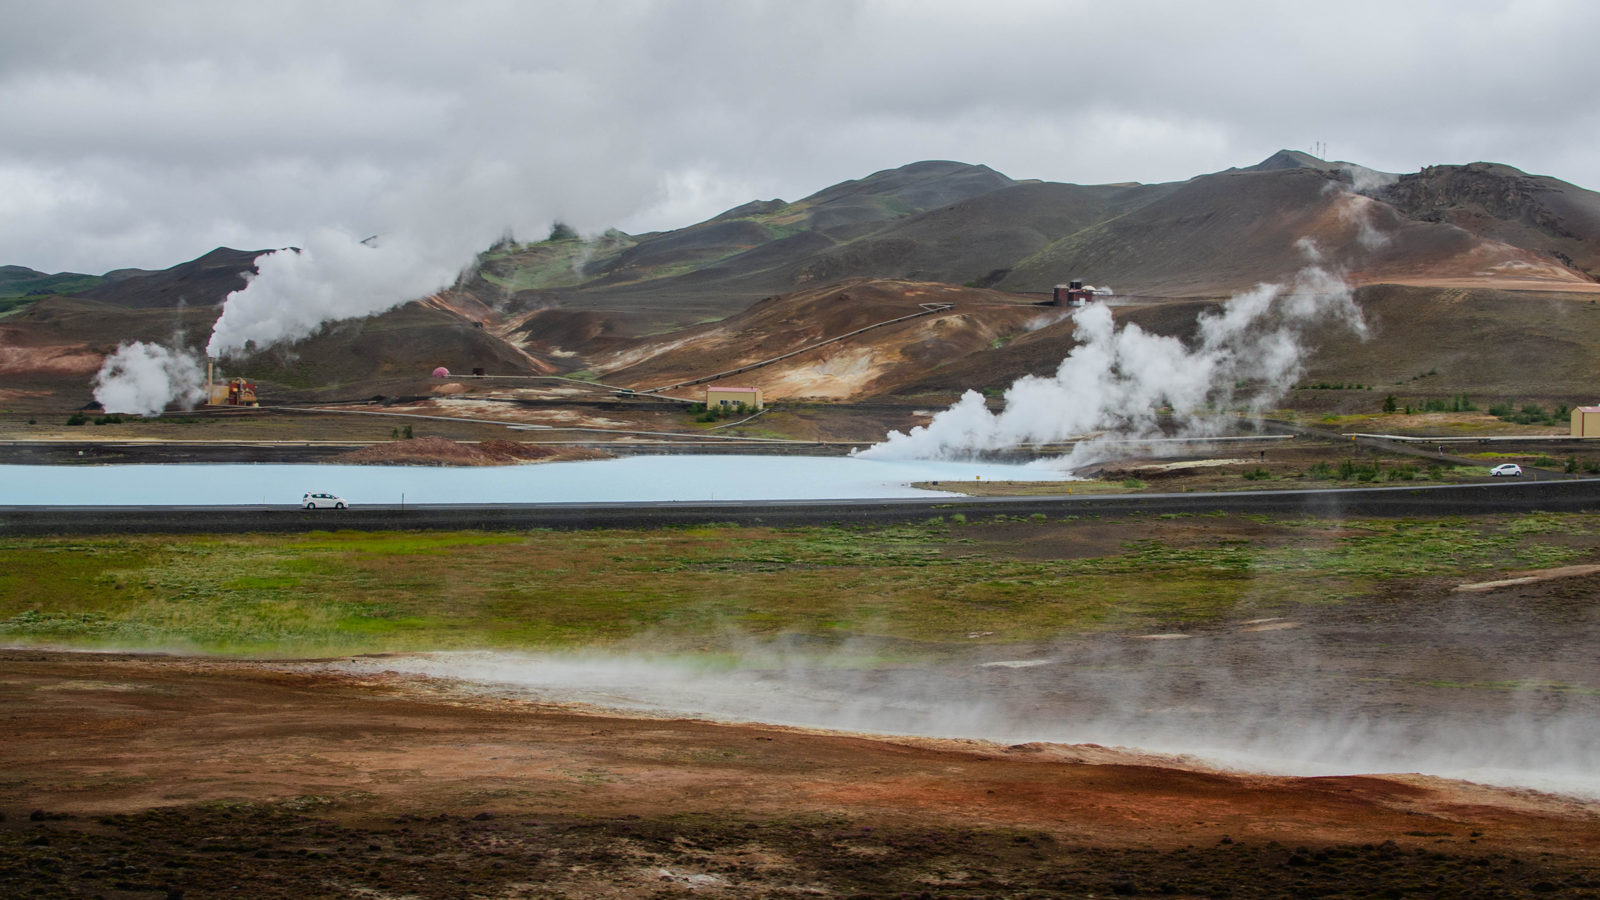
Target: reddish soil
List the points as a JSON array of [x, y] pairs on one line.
[[438, 451], [862, 365], [131, 776]]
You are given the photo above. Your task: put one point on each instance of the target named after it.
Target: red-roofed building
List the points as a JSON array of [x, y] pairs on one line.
[[731, 395], [1073, 294]]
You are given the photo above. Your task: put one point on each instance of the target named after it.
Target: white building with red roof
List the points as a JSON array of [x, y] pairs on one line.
[[732, 395]]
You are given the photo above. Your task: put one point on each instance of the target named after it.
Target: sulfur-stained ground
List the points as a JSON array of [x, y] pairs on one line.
[[147, 776]]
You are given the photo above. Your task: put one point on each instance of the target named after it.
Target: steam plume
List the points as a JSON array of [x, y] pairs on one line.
[[335, 276], [1113, 383], [144, 378]]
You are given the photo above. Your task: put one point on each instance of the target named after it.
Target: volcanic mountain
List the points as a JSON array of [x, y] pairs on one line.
[[1209, 236], [771, 276]]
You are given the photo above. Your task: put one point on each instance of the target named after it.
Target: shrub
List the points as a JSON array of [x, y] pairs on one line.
[[1320, 470], [1530, 414], [77, 419], [1257, 474]]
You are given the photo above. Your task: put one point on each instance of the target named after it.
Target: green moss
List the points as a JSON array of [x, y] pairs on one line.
[[933, 583]]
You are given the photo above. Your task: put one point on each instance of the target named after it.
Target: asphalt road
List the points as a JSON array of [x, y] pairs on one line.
[[1511, 496]]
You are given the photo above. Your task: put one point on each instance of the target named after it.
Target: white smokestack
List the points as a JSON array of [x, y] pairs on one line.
[[145, 378], [1115, 380]]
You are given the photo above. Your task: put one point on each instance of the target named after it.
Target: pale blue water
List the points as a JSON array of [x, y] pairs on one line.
[[639, 478]]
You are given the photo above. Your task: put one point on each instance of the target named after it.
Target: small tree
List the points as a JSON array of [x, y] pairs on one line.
[[1390, 404]]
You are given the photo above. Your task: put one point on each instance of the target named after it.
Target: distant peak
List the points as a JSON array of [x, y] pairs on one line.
[[933, 166], [1288, 159]]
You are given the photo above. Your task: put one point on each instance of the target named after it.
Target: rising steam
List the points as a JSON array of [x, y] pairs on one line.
[[145, 378], [334, 276], [1114, 382]]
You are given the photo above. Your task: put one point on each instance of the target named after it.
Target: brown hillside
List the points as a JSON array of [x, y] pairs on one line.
[[53, 348], [1219, 234], [407, 343], [862, 365], [57, 345], [1488, 343], [205, 281], [1551, 217]]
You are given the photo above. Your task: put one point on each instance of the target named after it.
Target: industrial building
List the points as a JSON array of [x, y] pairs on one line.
[[1073, 294], [1586, 422], [730, 395], [235, 392]]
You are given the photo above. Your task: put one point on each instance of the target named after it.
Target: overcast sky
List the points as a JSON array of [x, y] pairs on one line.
[[144, 134]]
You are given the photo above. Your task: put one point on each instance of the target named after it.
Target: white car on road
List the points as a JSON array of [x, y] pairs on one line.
[[322, 501], [1506, 469]]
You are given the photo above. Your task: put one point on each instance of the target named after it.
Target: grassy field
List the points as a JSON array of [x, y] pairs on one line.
[[925, 589]]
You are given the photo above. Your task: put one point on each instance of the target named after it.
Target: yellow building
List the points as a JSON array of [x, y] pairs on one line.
[[1586, 421], [729, 395]]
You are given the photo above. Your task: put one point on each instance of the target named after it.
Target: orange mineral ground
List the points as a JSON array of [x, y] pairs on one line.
[[152, 776]]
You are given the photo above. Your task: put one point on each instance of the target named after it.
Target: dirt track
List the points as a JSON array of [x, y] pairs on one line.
[[164, 777]]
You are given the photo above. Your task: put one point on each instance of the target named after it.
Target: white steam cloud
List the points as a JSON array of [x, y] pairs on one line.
[[145, 378], [1365, 181], [439, 225], [1116, 380], [1273, 702], [334, 276]]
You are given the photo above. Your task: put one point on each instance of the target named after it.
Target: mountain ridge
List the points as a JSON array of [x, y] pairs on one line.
[[968, 233]]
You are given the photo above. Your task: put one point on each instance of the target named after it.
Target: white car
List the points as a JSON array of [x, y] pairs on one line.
[[322, 501], [1506, 469]]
